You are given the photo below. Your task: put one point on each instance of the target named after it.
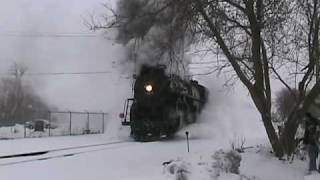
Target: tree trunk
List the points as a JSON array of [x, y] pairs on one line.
[[288, 136], [296, 117], [272, 135], [265, 111]]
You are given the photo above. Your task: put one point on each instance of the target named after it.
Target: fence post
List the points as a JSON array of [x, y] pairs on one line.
[[49, 122], [25, 129], [88, 123], [70, 123]]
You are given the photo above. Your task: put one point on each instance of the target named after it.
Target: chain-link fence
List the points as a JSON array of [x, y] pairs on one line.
[[56, 124]]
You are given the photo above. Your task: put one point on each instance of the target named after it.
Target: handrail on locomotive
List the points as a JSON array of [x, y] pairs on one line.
[[124, 114]]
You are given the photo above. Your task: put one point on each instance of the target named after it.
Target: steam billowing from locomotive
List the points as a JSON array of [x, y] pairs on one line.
[[154, 38]]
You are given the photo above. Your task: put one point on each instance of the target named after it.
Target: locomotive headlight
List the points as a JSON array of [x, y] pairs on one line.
[[148, 87]]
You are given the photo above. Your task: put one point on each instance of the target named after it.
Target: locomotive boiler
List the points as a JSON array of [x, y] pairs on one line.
[[162, 104]]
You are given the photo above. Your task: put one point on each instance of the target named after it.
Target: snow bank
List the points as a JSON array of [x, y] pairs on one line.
[[221, 165], [16, 131], [315, 176]]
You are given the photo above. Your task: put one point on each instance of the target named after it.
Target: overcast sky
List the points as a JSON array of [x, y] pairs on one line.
[[27, 34]]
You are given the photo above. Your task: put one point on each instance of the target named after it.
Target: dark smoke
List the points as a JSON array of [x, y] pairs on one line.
[[154, 32]]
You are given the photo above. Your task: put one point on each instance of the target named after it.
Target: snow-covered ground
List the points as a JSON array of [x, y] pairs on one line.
[[62, 129], [135, 160], [125, 159]]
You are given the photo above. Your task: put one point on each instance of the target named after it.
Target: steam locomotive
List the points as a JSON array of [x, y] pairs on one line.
[[162, 104]]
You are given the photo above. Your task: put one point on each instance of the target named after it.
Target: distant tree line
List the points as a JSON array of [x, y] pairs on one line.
[[18, 101]]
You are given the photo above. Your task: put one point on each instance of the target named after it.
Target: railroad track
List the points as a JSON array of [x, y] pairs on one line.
[[20, 158]]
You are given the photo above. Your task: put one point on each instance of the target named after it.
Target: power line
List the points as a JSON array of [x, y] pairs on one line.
[[62, 73], [48, 35], [67, 73], [51, 35]]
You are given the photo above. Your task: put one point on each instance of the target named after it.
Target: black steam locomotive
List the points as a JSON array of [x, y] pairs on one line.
[[162, 104]]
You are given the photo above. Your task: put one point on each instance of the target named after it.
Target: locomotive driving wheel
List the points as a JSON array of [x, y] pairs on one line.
[[173, 118], [145, 137]]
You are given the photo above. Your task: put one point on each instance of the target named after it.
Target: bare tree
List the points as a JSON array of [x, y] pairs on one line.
[[18, 100], [308, 24], [256, 39]]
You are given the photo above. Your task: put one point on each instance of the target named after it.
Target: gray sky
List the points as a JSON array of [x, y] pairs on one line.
[[26, 30]]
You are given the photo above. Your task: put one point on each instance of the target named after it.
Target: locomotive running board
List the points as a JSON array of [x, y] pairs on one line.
[[125, 121]]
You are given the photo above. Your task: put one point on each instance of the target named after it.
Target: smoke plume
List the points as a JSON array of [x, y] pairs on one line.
[[154, 32]]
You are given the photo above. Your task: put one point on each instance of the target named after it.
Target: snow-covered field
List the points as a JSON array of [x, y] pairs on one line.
[[19, 131], [134, 160], [125, 159], [63, 129]]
